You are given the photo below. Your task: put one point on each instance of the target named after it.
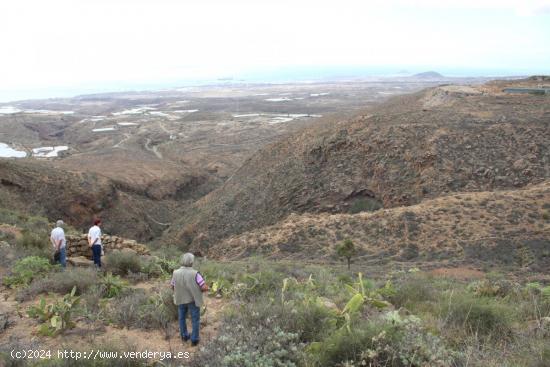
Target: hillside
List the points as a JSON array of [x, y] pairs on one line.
[[497, 228], [141, 159], [77, 197], [436, 142]]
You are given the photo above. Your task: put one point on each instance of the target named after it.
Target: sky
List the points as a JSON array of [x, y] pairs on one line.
[[48, 48]]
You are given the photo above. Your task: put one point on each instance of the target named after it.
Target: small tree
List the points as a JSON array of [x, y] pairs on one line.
[[346, 250]]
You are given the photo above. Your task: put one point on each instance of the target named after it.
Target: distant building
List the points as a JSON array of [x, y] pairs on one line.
[[539, 91]]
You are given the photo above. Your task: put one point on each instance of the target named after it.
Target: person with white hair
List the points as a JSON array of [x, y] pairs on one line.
[[188, 285], [59, 243]]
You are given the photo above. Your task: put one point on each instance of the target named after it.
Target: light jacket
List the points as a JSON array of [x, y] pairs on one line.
[[186, 289]]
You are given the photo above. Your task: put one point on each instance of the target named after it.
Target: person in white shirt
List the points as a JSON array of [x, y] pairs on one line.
[[94, 241], [59, 243]]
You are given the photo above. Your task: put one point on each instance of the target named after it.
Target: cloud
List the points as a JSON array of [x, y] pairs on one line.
[[64, 42], [519, 7]]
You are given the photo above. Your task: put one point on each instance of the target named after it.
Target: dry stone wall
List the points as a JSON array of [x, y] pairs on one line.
[[78, 245]]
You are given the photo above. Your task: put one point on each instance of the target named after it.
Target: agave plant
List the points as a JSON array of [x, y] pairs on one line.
[[112, 285]]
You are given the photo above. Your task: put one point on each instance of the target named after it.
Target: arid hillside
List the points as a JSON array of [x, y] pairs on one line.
[[497, 228], [76, 197], [141, 159], [433, 143]]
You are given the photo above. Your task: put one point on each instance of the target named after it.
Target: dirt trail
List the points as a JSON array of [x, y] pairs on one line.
[[154, 149], [126, 137]]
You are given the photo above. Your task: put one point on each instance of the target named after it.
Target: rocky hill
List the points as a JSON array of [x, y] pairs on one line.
[[433, 143], [497, 228], [77, 197]]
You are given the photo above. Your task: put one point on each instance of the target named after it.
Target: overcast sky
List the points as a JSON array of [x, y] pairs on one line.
[[52, 44]]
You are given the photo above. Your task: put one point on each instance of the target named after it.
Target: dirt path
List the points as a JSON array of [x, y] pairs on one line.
[[163, 128], [154, 149], [126, 137]]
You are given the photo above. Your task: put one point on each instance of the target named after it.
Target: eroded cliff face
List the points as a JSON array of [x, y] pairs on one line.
[[78, 197]]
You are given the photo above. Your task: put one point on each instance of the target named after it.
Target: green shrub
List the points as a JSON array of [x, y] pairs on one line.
[[385, 340], [344, 279], [495, 285], [243, 285], [139, 310], [250, 339], [61, 282], [7, 236], [534, 301], [128, 309], [487, 317], [123, 262], [94, 303], [311, 320], [263, 282], [112, 285], [31, 240], [32, 224], [156, 267], [345, 346], [365, 205], [411, 291], [27, 269]]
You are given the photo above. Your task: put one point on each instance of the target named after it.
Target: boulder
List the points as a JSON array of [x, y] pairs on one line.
[[80, 261]]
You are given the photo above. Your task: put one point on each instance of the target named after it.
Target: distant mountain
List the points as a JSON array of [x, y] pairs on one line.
[[429, 75]]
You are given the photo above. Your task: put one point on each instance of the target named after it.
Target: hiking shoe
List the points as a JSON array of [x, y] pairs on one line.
[[184, 338], [195, 343]]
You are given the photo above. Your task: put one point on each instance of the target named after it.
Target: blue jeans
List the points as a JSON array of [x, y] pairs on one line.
[[195, 320], [96, 254], [63, 257]]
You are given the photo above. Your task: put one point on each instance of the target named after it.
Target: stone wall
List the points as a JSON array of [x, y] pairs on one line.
[[78, 245]]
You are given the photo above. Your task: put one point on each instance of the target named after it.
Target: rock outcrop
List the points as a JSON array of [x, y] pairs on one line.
[[78, 245]]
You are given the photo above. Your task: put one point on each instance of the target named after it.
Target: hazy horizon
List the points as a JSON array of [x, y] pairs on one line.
[[286, 75], [61, 48]]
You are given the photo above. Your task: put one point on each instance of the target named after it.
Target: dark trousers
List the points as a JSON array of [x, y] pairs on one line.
[[96, 254], [63, 257], [195, 320]]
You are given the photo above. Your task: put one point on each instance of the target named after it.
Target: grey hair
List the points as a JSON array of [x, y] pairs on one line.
[[59, 223], [187, 259]]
